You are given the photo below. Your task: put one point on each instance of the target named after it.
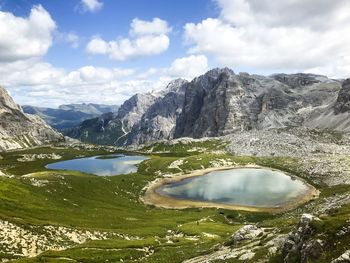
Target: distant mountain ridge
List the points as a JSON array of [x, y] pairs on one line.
[[221, 102], [69, 115], [21, 130]]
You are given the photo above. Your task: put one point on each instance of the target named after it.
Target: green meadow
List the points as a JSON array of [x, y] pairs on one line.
[[112, 204]]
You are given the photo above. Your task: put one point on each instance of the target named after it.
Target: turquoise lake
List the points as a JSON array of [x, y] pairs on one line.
[[106, 165], [244, 186]]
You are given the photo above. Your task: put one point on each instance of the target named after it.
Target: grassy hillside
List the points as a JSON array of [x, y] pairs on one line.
[[112, 205]]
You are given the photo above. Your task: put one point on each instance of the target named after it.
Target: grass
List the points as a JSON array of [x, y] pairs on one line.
[[112, 204]]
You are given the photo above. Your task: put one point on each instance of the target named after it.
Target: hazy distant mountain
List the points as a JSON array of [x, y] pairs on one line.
[[70, 115], [20, 130], [221, 102], [90, 108]]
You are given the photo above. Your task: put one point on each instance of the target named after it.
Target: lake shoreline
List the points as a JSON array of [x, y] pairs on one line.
[[152, 197]]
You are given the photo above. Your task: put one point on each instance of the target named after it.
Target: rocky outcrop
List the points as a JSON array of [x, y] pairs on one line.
[[247, 232], [299, 246], [343, 101], [343, 258], [20, 130]]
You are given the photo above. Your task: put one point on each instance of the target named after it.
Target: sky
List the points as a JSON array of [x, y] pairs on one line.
[[56, 52]]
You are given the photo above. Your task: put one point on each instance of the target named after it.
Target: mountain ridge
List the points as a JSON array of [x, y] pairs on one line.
[[221, 102]]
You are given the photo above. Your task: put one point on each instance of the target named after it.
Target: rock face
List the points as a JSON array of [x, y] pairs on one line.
[[70, 115], [299, 246], [140, 119], [343, 101], [20, 130], [221, 102], [159, 120], [336, 115]]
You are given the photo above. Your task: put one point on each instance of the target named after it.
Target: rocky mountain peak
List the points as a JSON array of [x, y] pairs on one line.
[[136, 103], [20, 130], [6, 101], [214, 73], [174, 85], [221, 102]]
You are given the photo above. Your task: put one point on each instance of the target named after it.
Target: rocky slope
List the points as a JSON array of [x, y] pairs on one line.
[[20, 130], [142, 118], [70, 115], [335, 116], [221, 102]]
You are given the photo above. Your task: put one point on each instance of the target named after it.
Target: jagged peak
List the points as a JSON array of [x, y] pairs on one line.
[[7, 101], [215, 72]]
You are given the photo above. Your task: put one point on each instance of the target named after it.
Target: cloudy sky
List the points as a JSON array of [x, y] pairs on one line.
[[56, 52]]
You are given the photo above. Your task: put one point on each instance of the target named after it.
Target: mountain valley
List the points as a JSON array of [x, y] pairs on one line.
[[293, 123]]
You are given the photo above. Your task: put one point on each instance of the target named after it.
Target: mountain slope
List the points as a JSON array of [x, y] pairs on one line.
[[221, 102], [70, 115], [20, 130], [140, 119], [335, 116]]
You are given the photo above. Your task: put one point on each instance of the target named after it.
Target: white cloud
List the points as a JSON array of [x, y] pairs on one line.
[[185, 67], [23, 38], [38, 83], [291, 35], [189, 67], [155, 27], [146, 38], [91, 5]]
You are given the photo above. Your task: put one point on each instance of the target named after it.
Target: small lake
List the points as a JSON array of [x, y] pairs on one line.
[[105, 165], [244, 186]]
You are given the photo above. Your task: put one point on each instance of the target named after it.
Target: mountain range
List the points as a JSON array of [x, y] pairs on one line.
[[69, 115], [217, 103], [221, 102]]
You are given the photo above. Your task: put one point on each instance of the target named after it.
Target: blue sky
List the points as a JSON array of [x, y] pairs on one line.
[[103, 51], [111, 21]]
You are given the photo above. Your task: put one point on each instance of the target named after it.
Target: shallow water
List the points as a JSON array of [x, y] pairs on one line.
[[106, 165], [243, 186]]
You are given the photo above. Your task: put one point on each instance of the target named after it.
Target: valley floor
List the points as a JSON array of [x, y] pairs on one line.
[[66, 216]]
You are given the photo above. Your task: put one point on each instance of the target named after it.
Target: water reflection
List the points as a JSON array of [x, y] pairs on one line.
[[104, 166], [245, 186]]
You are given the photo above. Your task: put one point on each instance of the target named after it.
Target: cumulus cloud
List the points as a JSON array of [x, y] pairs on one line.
[[23, 38], [146, 38], [38, 83], [185, 67], [188, 67], [291, 35], [91, 5], [155, 27]]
